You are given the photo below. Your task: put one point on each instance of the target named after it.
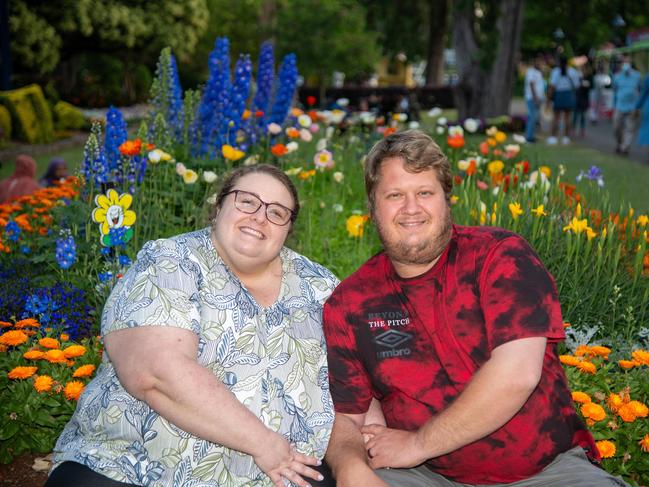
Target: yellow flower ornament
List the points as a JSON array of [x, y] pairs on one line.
[[112, 213]]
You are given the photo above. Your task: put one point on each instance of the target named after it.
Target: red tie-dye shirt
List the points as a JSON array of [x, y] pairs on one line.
[[415, 344]]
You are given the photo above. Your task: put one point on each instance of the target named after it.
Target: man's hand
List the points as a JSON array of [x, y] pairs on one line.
[[393, 448]]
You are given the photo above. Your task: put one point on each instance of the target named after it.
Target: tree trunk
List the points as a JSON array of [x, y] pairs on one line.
[[437, 28], [481, 93], [468, 90], [503, 70]]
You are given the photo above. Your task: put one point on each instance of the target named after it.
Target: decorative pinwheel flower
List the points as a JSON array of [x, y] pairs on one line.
[[112, 213]]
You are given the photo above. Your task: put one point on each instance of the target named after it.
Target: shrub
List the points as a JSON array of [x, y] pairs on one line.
[[31, 115], [5, 124], [68, 117]]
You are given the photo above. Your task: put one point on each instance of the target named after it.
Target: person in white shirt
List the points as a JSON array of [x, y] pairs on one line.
[[564, 82], [534, 96]]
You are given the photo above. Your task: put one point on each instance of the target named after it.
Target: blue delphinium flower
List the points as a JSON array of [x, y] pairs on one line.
[[264, 84], [284, 90], [215, 96], [124, 260], [236, 105], [25, 249], [13, 231], [593, 174], [176, 117], [94, 168], [116, 135], [66, 252]]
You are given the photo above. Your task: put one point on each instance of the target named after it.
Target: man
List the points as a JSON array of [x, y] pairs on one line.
[[534, 96], [627, 83], [442, 348]]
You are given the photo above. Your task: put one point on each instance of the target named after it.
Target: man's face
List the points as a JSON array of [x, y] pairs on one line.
[[411, 214]]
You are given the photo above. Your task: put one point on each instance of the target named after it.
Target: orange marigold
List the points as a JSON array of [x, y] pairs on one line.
[[55, 356], [28, 322], [582, 350], [641, 356], [33, 355], [13, 338], [74, 351], [644, 444], [65, 337], [581, 397], [627, 413], [22, 372], [614, 402], [587, 367], [639, 409], [73, 390], [43, 383], [606, 448], [569, 360], [48, 342], [5, 324], [627, 364], [84, 371], [600, 351], [593, 411]]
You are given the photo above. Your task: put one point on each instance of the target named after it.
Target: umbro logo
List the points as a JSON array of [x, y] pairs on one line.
[[392, 338]]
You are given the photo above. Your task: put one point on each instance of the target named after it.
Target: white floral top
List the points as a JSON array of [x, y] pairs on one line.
[[272, 359]]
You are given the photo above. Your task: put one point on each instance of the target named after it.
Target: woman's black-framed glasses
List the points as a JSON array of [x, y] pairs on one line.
[[250, 203]]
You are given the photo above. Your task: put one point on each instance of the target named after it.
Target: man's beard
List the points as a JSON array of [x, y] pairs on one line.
[[421, 253]]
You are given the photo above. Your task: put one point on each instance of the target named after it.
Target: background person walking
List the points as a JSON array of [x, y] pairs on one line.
[[564, 81], [534, 96], [626, 92]]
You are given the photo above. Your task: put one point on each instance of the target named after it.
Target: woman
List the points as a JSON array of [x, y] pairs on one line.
[[563, 83], [22, 182], [214, 371], [56, 171]]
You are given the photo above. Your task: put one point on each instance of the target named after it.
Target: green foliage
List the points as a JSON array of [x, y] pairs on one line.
[[400, 26], [68, 117], [586, 25], [241, 22], [35, 44], [5, 123], [344, 43], [30, 114]]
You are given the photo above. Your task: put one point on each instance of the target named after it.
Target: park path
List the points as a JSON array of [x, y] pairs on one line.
[[598, 136]]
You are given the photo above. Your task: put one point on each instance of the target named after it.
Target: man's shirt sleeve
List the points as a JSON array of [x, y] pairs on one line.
[[518, 296]]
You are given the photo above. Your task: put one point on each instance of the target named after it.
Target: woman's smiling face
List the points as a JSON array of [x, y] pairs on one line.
[[242, 238]]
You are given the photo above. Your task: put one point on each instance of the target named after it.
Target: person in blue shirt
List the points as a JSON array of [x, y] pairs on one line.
[[643, 107], [626, 92]]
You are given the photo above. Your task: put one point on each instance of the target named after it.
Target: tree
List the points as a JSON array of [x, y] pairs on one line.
[[95, 38], [586, 25], [486, 36], [401, 30], [326, 36]]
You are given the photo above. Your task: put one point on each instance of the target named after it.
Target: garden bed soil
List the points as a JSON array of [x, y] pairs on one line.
[[20, 472]]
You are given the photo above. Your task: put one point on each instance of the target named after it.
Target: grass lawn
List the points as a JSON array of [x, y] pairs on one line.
[[73, 156], [626, 181]]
